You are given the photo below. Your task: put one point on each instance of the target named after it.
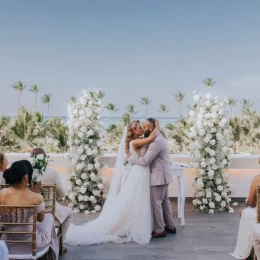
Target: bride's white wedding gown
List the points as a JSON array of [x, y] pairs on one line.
[[127, 218]]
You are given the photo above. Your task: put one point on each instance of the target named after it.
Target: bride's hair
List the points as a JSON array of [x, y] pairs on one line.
[[130, 133]]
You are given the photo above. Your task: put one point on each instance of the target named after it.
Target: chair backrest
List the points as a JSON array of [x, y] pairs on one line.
[[3, 186], [258, 204], [18, 217], [49, 196]]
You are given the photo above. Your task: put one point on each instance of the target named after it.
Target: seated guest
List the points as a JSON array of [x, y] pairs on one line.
[[3, 167], [51, 177], [19, 176], [256, 239], [248, 217]]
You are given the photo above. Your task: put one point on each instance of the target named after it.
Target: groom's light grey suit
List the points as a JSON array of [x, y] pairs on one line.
[[157, 156]]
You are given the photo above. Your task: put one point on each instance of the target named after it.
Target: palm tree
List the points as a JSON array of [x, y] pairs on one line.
[[179, 98], [236, 132], [34, 88], [19, 86], [163, 109], [232, 103], [46, 99], [146, 102], [131, 110], [209, 82], [246, 105], [112, 108]]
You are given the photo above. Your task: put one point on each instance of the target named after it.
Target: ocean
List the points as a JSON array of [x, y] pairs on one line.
[[117, 120]]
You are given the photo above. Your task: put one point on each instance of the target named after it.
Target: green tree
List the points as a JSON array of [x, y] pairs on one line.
[[164, 110], [232, 103], [146, 101], [131, 111], [111, 108], [179, 98], [34, 88], [209, 82], [20, 87], [46, 99]]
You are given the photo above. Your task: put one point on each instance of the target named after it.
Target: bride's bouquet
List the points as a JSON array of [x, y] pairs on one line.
[[39, 164]]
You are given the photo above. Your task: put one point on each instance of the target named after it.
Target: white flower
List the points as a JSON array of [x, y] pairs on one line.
[[92, 198], [89, 152], [93, 211], [211, 211], [220, 188], [202, 172], [72, 197], [83, 189], [97, 165], [212, 142], [84, 176], [90, 132], [224, 194], [218, 181], [76, 210], [100, 186], [208, 195], [87, 212], [211, 174], [97, 208], [90, 166], [212, 160], [235, 204], [194, 202], [78, 181], [40, 156], [218, 198], [81, 206], [86, 198], [205, 201], [203, 164], [223, 204], [212, 205], [231, 210], [70, 205]]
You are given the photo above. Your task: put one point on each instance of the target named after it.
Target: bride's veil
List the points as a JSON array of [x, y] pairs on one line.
[[117, 175]]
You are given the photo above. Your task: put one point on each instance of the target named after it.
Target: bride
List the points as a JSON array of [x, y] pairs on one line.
[[126, 215]]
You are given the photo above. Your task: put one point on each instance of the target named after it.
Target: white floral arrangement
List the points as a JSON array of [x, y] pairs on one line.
[[210, 149], [39, 165], [86, 148]]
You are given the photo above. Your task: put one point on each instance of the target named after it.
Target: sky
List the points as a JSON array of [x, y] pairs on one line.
[[128, 49]]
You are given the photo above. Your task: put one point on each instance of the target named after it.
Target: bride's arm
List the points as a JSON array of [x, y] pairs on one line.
[[141, 142]]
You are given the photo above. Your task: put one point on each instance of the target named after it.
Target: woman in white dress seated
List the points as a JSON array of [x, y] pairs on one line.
[[248, 218], [3, 166], [19, 176]]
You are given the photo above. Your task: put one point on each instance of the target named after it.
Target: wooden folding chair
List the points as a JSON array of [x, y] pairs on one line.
[[3, 186], [257, 209], [19, 216], [49, 196]]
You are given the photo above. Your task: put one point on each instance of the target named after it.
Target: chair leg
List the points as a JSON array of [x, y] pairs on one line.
[[61, 238], [179, 197]]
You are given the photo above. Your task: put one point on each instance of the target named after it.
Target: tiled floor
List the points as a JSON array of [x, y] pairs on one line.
[[204, 237]]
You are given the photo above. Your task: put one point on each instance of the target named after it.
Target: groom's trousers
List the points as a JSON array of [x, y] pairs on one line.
[[162, 209]]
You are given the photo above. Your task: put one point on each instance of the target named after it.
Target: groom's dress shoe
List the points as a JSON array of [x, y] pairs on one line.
[[158, 235], [170, 230]]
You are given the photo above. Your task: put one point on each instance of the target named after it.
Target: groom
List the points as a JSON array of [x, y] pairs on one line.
[[157, 156]]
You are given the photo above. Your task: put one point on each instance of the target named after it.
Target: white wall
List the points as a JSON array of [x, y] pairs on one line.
[[242, 169]]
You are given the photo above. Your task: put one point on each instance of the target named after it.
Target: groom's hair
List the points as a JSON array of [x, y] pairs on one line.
[[151, 121]]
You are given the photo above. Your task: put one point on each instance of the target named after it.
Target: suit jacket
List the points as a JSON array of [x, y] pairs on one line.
[[158, 157], [51, 177]]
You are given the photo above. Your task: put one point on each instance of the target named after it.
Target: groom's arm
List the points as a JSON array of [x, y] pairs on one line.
[[147, 158]]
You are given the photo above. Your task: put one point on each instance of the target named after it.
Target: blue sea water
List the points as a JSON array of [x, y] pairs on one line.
[[117, 120]]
